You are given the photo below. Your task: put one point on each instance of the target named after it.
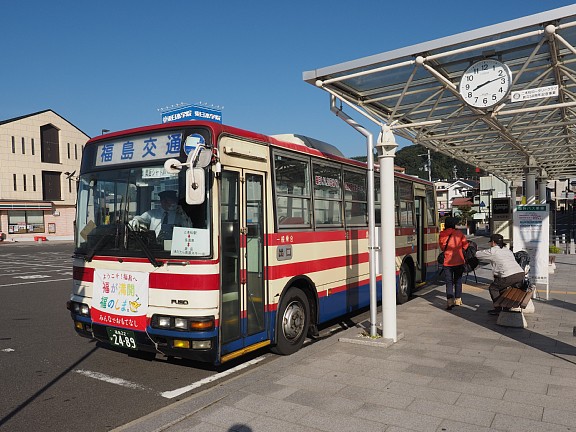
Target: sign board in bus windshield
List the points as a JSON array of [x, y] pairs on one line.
[[142, 148]]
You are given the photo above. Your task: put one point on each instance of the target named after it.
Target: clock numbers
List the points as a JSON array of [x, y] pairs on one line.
[[485, 83]]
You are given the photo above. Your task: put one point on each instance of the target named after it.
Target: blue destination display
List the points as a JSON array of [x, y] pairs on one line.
[[139, 149]]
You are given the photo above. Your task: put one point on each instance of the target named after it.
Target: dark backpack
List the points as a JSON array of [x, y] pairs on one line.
[[522, 258], [470, 257]]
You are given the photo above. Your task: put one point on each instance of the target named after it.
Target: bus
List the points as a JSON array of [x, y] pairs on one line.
[[272, 240]]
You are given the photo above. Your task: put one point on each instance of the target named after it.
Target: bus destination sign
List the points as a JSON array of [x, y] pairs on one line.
[[139, 149]]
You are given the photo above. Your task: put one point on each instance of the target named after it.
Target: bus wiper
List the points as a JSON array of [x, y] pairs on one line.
[[145, 248], [93, 249]]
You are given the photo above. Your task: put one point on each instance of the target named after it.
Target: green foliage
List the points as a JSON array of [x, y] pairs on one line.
[[442, 165], [554, 249], [466, 214]]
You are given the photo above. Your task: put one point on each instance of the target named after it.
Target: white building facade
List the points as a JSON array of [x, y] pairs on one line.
[[40, 156]]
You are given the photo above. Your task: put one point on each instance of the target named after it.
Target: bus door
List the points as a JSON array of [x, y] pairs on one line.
[[419, 208], [242, 234]]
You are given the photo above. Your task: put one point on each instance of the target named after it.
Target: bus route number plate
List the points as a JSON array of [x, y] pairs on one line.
[[121, 338]]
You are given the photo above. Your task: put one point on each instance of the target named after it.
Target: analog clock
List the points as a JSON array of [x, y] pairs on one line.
[[485, 83]]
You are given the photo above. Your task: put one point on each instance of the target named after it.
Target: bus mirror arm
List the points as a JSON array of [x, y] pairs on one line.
[[173, 166]]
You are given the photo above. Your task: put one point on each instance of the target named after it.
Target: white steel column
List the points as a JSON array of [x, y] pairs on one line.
[[530, 188], [386, 148], [542, 181]]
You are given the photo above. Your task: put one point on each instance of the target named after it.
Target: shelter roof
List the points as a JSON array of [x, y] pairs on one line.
[[415, 91]]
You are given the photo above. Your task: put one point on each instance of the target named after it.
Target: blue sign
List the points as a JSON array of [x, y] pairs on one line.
[[141, 148], [192, 141], [192, 112]]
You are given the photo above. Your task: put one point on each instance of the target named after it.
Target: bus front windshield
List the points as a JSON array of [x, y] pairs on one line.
[[140, 212]]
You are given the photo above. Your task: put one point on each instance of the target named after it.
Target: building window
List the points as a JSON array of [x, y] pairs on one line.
[[49, 144], [23, 146], [68, 150], [13, 145], [34, 183], [25, 221], [33, 149], [70, 185], [51, 186], [76, 151], [24, 182], [14, 178]]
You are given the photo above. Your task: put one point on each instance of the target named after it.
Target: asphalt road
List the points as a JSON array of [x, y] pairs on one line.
[[52, 379]]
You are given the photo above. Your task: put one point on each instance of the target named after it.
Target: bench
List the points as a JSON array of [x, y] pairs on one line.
[[513, 300]]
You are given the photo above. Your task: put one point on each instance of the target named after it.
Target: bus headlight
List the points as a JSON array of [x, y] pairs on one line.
[[163, 322], [181, 323], [78, 308]]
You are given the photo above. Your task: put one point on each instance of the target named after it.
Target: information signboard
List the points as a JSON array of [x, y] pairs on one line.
[[531, 233]]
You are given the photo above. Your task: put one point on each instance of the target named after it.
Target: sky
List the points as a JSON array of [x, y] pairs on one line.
[[114, 64]]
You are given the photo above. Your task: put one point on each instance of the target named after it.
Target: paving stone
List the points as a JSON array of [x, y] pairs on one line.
[[331, 422], [540, 400], [501, 406], [390, 416], [519, 424], [385, 396], [453, 412], [319, 401], [561, 417]]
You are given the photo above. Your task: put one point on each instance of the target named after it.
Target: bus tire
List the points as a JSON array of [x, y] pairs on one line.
[[292, 322], [404, 284]]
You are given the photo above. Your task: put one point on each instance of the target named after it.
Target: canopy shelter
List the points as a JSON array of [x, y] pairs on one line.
[[502, 98], [518, 111]]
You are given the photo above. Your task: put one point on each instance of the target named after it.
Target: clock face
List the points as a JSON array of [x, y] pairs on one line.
[[485, 83]]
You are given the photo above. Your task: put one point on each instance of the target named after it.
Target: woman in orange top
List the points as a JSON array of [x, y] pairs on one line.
[[453, 243]]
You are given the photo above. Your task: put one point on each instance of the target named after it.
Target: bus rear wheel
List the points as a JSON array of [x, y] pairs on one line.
[[292, 322], [404, 284]]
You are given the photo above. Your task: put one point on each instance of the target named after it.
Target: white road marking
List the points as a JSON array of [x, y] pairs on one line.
[[31, 277], [111, 380], [178, 392], [33, 282], [8, 350]]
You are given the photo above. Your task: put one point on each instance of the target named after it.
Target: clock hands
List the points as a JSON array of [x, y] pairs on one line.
[[486, 83]]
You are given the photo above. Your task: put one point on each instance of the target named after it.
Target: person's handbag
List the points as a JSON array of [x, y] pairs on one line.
[[440, 258]]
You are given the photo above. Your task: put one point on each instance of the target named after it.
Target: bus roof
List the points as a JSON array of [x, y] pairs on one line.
[[299, 143]]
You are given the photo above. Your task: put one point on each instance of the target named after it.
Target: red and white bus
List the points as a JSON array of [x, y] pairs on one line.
[[275, 240]]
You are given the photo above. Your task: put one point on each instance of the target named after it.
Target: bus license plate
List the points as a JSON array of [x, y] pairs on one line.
[[121, 338]]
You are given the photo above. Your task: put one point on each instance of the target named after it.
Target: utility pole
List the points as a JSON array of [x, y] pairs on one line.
[[428, 165]]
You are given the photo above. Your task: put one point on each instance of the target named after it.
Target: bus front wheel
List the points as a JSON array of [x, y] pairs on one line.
[[292, 323], [404, 284]]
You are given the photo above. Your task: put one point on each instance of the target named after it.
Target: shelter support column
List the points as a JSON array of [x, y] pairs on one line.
[[386, 148], [542, 182], [530, 184], [512, 187]]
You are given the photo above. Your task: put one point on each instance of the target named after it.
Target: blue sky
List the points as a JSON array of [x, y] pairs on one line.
[[113, 64]]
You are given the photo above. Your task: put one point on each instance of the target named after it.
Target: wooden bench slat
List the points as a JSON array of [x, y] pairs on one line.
[[513, 297]]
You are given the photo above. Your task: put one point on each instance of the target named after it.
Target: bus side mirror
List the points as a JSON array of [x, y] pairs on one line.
[[195, 186]]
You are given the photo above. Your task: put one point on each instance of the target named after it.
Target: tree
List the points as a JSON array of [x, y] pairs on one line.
[[466, 213]]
